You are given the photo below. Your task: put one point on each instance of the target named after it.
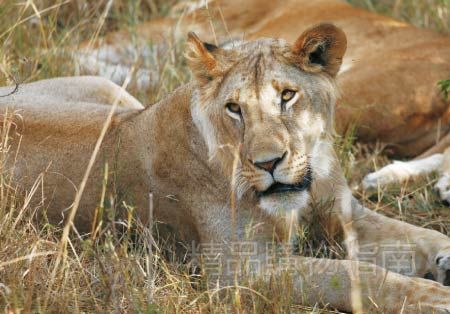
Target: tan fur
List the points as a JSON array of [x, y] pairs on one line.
[[192, 154], [390, 72]]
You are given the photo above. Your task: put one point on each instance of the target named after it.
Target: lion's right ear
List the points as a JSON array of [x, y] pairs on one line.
[[206, 61], [321, 49]]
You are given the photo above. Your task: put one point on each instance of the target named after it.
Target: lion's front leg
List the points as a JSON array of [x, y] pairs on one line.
[[349, 286], [361, 287], [395, 245]]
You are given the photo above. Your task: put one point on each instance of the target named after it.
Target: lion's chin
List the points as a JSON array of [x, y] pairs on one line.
[[284, 203]]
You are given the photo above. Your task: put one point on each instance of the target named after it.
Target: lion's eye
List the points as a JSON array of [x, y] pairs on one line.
[[287, 95], [233, 108], [288, 98]]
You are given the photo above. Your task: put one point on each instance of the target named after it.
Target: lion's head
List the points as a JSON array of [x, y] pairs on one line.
[[273, 103]]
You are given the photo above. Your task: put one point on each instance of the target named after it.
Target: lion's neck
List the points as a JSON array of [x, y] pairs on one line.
[[166, 155]]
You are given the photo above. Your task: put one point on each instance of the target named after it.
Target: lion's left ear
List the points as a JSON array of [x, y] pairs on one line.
[[206, 61], [321, 48]]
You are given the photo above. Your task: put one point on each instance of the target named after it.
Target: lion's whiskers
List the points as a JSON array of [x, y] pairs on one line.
[[242, 184]]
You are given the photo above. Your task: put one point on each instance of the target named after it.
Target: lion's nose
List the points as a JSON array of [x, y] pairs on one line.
[[268, 165]]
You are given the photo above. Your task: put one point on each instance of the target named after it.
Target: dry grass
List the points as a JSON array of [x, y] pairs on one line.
[[38, 38], [111, 271], [432, 14]]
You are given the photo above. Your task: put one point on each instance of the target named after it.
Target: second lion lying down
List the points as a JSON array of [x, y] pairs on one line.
[[240, 154]]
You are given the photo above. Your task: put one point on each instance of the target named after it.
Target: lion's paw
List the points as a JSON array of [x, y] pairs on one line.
[[393, 173], [443, 267], [400, 171], [371, 180], [443, 187]]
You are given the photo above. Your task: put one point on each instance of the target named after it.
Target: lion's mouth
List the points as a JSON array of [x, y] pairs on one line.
[[278, 188]]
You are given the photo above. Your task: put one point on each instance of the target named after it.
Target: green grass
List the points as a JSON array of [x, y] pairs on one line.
[[111, 272], [445, 87]]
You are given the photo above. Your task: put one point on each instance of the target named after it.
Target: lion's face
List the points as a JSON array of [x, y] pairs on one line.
[[273, 104]]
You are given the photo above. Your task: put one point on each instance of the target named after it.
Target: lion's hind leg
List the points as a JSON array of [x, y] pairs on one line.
[[103, 91]]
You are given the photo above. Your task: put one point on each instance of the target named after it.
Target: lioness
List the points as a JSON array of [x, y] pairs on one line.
[[239, 155]]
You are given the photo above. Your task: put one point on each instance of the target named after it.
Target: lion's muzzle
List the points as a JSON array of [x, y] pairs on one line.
[[278, 187]]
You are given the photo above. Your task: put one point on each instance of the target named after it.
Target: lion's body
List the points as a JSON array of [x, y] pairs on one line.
[[240, 155], [57, 138], [58, 123]]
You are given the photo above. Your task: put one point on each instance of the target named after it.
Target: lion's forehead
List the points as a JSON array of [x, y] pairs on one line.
[[255, 66], [262, 76], [262, 44]]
